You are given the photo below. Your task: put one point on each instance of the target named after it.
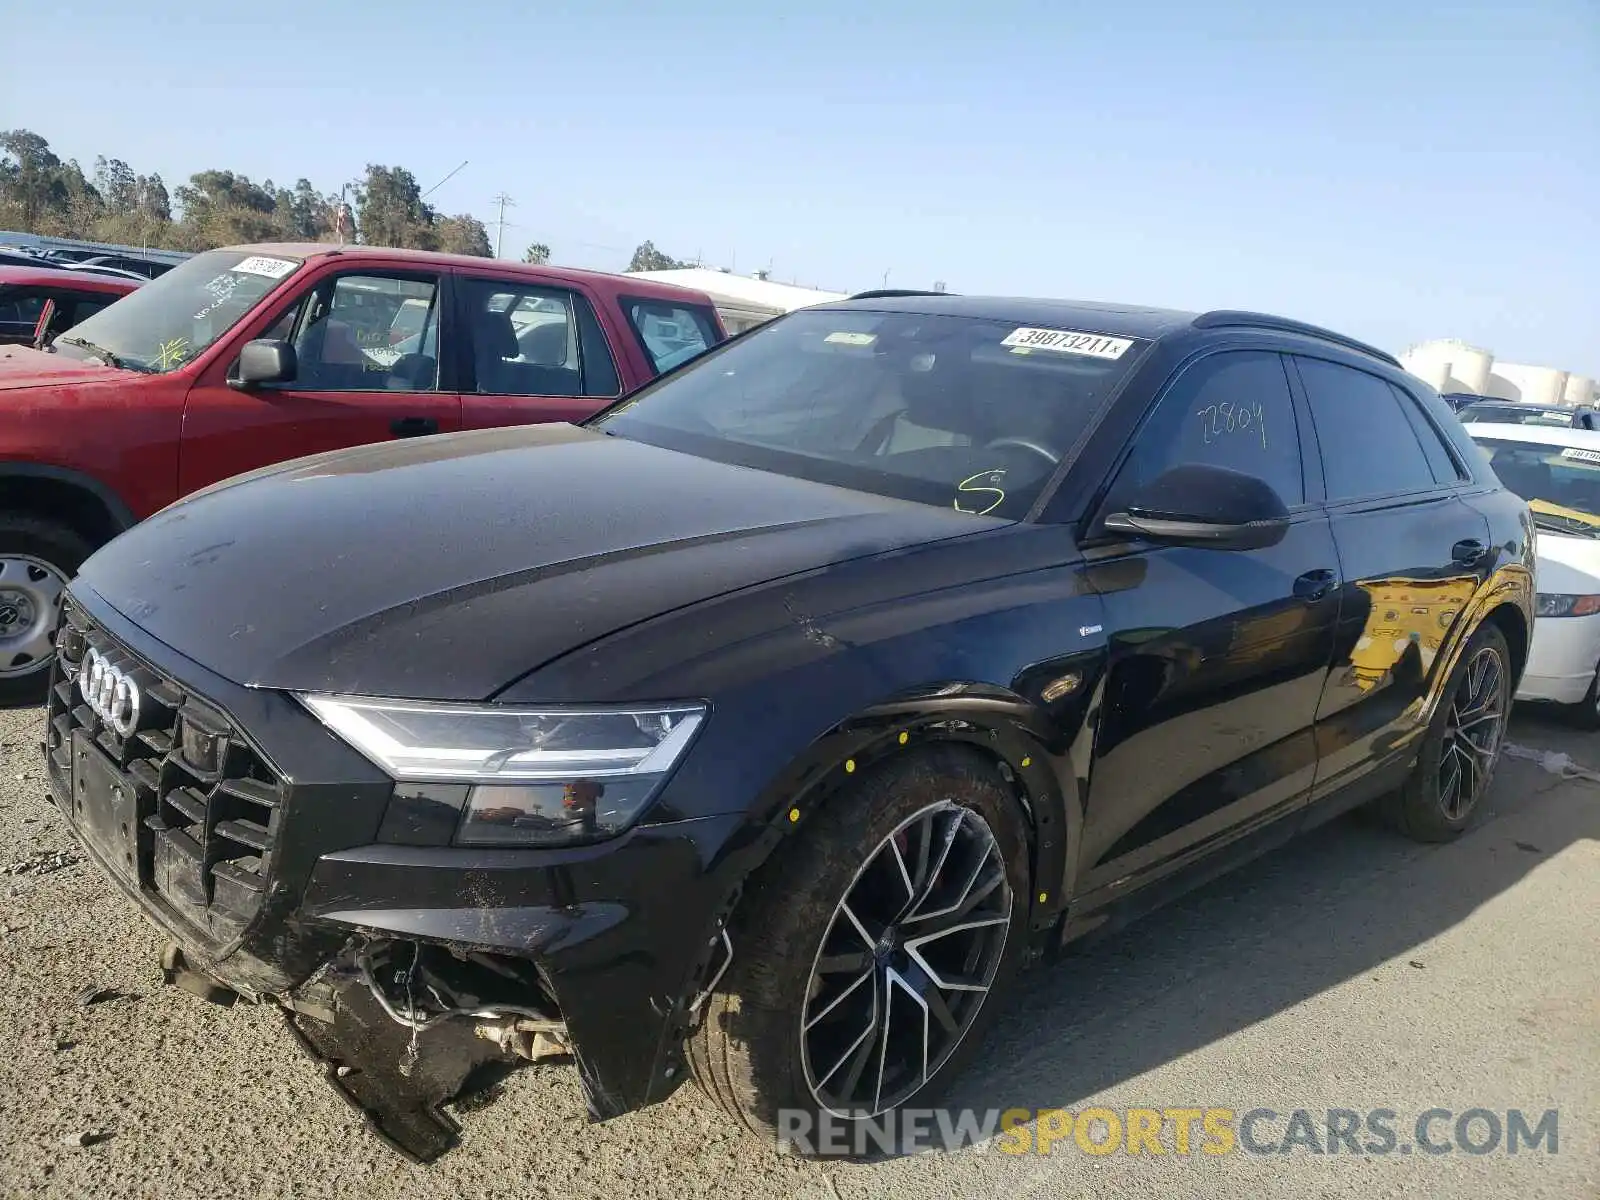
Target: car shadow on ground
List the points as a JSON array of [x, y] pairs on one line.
[[1344, 900]]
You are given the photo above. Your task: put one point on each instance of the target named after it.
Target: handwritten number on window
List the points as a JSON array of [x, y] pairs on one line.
[[1217, 421]]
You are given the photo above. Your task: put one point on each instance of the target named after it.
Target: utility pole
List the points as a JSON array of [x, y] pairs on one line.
[[500, 232]]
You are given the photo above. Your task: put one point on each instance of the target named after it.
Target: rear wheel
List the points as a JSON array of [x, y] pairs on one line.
[[867, 961], [37, 558], [1462, 748]]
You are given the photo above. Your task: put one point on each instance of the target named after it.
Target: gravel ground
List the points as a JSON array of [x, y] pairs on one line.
[[1352, 969]]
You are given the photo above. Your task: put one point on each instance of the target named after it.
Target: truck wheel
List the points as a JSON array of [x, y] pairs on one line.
[[868, 959], [37, 558], [1462, 747]]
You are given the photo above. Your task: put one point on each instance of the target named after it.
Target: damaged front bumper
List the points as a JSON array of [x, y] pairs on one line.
[[265, 848]]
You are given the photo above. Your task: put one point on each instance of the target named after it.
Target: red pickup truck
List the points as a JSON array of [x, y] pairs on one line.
[[251, 355]]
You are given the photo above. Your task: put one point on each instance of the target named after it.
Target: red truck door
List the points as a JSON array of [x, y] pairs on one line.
[[369, 368], [535, 352]]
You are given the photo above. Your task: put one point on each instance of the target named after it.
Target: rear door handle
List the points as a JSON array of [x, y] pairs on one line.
[[1468, 552], [413, 426], [1314, 585]]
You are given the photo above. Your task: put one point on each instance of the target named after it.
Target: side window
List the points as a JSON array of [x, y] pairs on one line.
[[1369, 447], [21, 308], [529, 340], [670, 333], [1440, 462], [1231, 410], [368, 333]]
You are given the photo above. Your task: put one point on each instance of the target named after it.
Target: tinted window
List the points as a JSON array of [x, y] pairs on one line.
[[671, 333], [18, 307], [368, 333], [1368, 445], [527, 341], [957, 412], [1231, 410], [599, 368], [1440, 462]]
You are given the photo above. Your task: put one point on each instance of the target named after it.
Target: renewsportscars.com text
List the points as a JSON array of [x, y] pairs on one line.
[[1214, 1131]]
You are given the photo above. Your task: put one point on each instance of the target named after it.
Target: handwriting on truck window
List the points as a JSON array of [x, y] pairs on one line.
[[1217, 421]]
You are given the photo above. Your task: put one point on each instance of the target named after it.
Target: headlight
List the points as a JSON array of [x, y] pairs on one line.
[[539, 776], [1553, 604]]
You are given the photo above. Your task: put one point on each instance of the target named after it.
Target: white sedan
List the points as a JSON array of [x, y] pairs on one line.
[[1557, 471]]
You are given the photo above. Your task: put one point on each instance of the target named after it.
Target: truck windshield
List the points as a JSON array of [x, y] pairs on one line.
[[162, 325], [960, 412]]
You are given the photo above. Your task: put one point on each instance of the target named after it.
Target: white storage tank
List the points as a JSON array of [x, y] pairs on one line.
[[1531, 385], [1579, 390], [1449, 365]]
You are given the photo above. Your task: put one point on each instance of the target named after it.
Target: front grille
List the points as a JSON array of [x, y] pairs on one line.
[[207, 805]]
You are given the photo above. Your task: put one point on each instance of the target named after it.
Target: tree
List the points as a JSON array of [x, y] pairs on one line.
[[30, 177], [391, 212], [221, 208], [648, 258], [305, 213], [464, 234], [117, 184], [538, 254]]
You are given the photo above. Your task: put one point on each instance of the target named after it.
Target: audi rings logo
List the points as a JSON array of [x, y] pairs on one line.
[[110, 692]]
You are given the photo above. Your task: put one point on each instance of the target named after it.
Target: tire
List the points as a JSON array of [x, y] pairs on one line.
[[1585, 714], [37, 558], [1427, 808], [750, 1054]]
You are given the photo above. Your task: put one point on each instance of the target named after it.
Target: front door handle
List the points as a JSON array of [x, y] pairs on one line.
[[1314, 585], [413, 426], [1468, 552]]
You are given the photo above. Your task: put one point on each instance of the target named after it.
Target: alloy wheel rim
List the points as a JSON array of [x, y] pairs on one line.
[[906, 962], [1473, 730], [30, 605]]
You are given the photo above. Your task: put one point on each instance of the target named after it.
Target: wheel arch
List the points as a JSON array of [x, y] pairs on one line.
[[997, 724], [1513, 625], [92, 509]]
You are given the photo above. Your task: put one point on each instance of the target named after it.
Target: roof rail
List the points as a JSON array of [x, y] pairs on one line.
[[886, 293], [1224, 317]]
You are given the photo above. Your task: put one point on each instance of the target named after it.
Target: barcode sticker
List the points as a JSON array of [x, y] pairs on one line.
[[1592, 456], [1067, 341], [272, 268]]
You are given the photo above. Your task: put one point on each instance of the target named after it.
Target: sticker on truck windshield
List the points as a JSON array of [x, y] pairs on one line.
[[272, 268], [845, 337], [1590, 456], [1066, 341]]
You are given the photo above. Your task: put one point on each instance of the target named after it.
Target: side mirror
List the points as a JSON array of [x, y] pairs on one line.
[[1201, 505], [264, 361]]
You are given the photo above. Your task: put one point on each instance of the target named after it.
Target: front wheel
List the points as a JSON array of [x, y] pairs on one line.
[[37, 558], [868, 959], [1462, 747]]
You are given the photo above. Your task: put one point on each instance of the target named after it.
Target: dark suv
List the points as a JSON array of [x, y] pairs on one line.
[[759, 727]]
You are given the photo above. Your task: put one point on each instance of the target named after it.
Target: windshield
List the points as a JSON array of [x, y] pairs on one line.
[[951, 411], [1560, 483], [1515, 414], [165, 323]]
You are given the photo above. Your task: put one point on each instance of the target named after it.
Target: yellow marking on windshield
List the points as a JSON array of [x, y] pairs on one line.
[[1558, 510]]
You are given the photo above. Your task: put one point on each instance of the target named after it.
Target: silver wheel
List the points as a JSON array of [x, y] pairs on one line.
[[906, 962], [1472, 735], [30, 603]]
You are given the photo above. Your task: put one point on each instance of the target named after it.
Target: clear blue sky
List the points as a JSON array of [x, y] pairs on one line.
[[1393, 168]]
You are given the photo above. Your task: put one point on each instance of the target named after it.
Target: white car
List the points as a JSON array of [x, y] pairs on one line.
[[1557, 471]]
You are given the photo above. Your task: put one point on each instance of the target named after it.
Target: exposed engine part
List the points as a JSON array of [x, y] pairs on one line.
[[527, 1038], [414, 1019], [392, 1048]]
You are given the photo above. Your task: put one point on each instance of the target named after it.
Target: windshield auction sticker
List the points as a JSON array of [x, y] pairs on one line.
[[272, 268], [1066, 341]]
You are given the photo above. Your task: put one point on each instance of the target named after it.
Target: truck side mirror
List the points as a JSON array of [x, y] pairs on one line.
[[264, 361]]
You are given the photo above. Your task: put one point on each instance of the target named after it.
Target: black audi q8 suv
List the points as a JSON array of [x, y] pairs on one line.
[[760, 727]]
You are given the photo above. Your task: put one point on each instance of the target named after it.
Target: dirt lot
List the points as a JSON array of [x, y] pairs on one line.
[[1351, 970]]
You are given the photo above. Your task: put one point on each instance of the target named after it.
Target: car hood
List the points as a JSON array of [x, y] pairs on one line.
[[24, 367], [447, 567]]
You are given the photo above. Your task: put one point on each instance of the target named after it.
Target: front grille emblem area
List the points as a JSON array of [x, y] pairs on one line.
[[110, 692]]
